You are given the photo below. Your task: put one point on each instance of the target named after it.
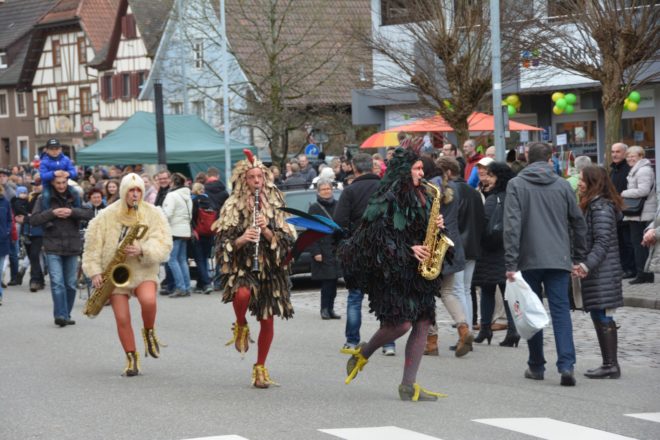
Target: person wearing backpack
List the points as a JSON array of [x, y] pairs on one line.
[[203, 216]]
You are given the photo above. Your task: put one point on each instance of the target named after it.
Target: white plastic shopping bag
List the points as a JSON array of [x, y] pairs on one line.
[[527, 309]]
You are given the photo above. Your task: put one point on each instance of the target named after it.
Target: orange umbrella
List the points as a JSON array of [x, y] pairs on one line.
[[381, 139], [476, 122]]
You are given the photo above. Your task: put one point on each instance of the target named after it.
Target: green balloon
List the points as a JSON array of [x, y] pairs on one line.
[[511, 110], [570, 98], [569, 109], [561, 103], [635, 97]]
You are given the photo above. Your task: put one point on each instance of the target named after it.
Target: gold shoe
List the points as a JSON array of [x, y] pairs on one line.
[[261, 378], [241, 338], [132, 364], [416, 393], [355, 363], [151, 343]]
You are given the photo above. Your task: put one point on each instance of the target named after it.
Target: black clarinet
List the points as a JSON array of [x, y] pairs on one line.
[[255, 259]]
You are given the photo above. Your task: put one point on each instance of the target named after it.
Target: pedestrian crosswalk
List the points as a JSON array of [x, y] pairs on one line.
[[535, 427]]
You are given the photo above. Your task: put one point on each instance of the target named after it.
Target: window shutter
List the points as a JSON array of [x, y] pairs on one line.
[[134, 85], [116, 86], [124, 29], [104, 88]]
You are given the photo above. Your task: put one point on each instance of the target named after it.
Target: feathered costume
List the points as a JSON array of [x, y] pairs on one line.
[[379, 253], [270, 286]]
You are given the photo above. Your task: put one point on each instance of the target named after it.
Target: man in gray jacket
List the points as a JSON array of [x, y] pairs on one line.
[[542, 225]]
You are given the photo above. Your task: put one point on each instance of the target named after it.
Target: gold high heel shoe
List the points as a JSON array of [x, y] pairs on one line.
[[416, 393], [151, 343], [241, 338], [355, 363], [261, 378], [132, 364]]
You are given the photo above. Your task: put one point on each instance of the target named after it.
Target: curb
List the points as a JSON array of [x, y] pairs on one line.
[[638, 301]]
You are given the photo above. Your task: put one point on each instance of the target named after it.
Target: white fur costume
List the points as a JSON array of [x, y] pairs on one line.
[[104, 232]]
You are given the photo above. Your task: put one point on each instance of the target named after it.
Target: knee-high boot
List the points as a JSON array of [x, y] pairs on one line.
[[608, 341]]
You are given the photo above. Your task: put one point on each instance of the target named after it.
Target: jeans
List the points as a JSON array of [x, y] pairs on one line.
[[13, 259], [354, 318], [63, 270], [600, 316], [626, 252], [178, 264], [202, 250], [462, 284], [34, 253], [555, 283]]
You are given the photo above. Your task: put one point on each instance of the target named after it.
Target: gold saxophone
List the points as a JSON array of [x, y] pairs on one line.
[[116, 273], [436, 244]]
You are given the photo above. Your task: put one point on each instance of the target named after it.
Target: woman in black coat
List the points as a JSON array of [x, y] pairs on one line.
[[489, 272], [601, 270], [325, 266]]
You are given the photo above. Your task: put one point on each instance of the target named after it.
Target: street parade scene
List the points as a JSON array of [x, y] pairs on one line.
[[311, 219]]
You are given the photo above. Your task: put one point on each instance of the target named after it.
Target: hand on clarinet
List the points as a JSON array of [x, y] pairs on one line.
[[251, 234]]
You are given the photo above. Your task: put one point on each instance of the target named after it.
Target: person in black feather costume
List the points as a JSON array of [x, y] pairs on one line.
[[385, 252]]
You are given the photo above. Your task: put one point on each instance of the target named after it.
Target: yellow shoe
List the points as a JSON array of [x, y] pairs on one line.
[[355, 363], [151, 343], [261, 378], [241, 338], [132, 364], [416, 393]]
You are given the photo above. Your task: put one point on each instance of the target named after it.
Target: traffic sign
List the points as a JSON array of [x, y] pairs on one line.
[[312, 150]]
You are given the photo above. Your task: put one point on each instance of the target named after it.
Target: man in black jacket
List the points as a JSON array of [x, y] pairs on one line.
[[62, 244], [215, 189], [619, 170], [348, 214]]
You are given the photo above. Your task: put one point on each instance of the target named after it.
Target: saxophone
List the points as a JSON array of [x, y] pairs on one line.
[[437, 245], [116, 273]]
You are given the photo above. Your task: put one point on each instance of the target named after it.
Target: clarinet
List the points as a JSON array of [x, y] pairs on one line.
[[255, 259]]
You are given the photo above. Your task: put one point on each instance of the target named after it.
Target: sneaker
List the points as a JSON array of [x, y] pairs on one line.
[[178, 294], [208, 290], [567, 379], [165, 292], [389, 351]]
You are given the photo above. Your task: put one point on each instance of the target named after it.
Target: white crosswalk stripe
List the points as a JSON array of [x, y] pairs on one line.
[[220, 437], [652, 417], [550, 429], [378, 433]]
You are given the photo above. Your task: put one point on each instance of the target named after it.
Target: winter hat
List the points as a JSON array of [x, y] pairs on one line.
[[21, 190]]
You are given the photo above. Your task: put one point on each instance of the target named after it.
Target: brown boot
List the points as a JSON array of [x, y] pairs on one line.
[[465, 338], [431, 345]]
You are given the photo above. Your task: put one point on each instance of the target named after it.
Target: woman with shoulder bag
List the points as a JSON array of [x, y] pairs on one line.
[[641, 189], [490, 272], [325, 266], [601, 270]]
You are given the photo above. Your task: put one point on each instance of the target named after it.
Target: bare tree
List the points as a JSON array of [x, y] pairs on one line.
[[294, 57], [443, 53], [613, 42]]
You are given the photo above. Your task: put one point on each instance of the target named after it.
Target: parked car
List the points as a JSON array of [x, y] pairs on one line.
[[302, 199]]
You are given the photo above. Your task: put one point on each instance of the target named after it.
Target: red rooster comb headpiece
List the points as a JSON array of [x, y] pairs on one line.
[[249, 156]]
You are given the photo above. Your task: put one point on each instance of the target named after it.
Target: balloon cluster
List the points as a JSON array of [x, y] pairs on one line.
[[563, 103], [512, 103], [631, 103]]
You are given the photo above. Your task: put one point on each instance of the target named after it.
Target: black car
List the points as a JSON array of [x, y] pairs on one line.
[[301, 200]]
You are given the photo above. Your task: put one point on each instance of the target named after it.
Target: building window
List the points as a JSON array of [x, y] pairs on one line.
[[198, 50], [639, 131], [20, 104], [42, 104], [126, 86], [581, 136], [62, 101], [177, 108], [4, 107], [128, 27], [3, 60], [394, 12], [57, 59], [23, 144], [141, 78], [106, 88], [85, 101], [199, 108], [82, 50]]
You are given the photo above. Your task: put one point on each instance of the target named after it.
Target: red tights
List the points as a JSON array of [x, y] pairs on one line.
[[241, 303], [146, 295]]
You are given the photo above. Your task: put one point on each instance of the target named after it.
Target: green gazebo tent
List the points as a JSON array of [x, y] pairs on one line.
[[188, 141]]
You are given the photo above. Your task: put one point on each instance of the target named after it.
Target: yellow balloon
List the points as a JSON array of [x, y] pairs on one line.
[[556, 96], [512, 99], [556, 110], [632, 106]]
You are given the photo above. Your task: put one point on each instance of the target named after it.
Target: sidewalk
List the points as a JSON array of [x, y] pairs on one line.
[[642, 295]]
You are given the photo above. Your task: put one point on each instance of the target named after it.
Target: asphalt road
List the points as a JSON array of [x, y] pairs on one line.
[[65, 383]]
